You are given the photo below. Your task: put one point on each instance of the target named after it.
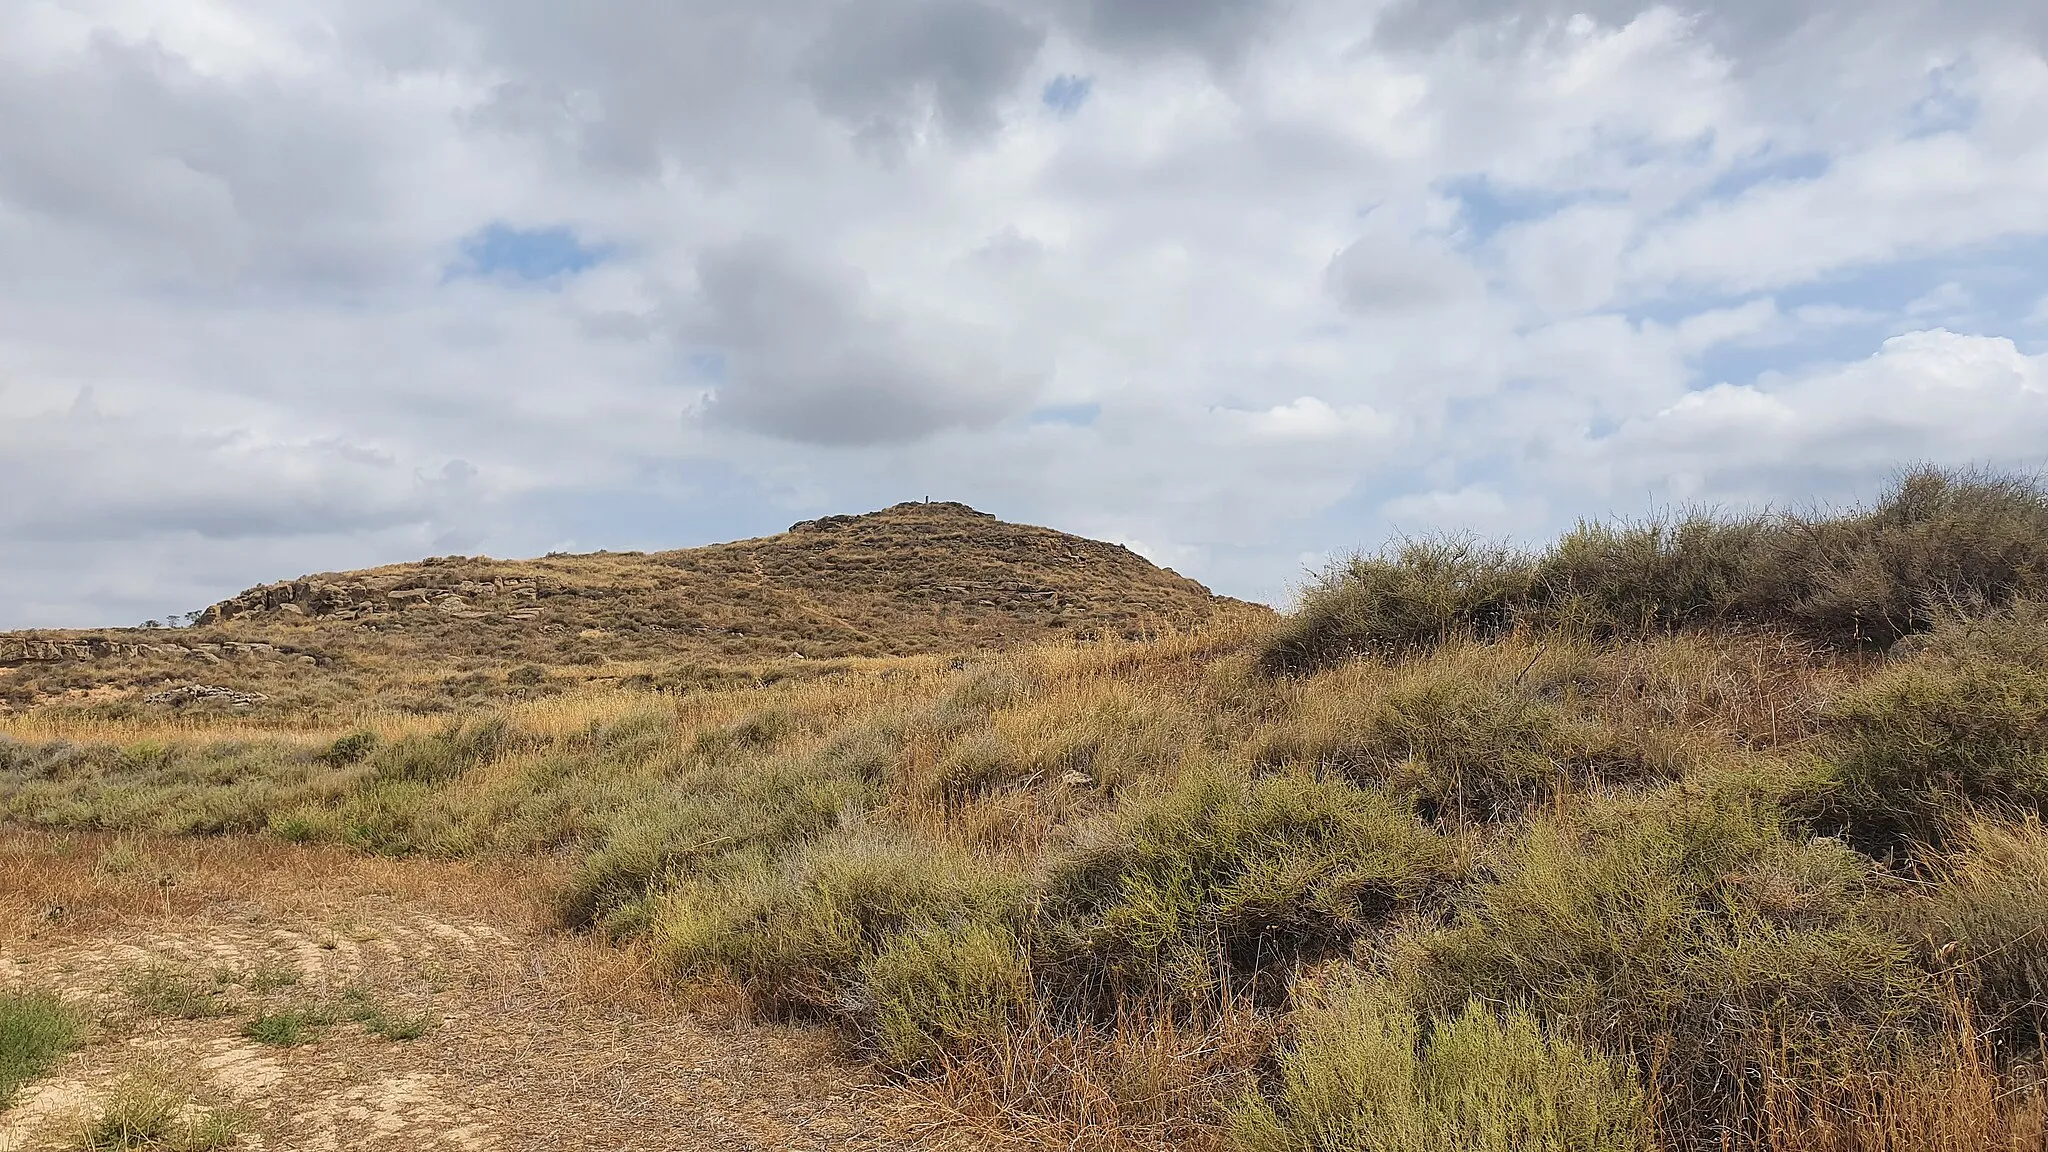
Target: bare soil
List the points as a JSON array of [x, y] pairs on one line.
[[533, 1040]]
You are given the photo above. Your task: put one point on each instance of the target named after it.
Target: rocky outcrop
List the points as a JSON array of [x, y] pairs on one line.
[[38, 650], [939, 510], [205, 694], [318, 599]]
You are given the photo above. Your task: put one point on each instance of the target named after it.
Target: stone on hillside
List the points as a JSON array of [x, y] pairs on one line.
[[207, 693]]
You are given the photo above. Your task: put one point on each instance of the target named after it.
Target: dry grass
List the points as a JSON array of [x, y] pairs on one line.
[[1023, 765], [1149, 1079], [471, 631], [542, 1040], [1690, 872], [57, 887], [1957, 1096]]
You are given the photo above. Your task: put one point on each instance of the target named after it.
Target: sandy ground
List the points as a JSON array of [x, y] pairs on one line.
[[533, 1040]]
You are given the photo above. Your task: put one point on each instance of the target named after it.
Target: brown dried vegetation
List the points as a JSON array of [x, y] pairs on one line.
[[1706, 854]]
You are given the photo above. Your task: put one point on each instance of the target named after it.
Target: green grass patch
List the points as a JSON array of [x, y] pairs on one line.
[[35, 1029], [147, 1116], [287, 1029], [161, 990], [269, 977], [946, 988], [379, 1019]]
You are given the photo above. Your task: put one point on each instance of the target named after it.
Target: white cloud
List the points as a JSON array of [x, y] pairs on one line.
[[1295, 275], [1755, 322], [1474, 508], [1929, 395], [1308, 418]]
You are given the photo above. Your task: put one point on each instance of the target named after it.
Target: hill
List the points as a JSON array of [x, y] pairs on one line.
[[1697, 834], [916, 578]]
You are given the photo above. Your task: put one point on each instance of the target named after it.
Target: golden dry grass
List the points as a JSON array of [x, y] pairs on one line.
[[1733, 887]]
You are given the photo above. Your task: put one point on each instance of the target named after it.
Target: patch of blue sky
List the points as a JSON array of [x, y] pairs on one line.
[[708, 366], [1791, 168], [1361, 522], [1065, 94], [1745, 364], [1948, 104], [534, 254], [1989, 290], [1072, 415], [2003, 281], [1487, 207]]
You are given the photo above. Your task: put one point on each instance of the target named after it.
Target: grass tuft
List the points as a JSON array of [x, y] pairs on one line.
[[161, 990], [1366, 1074], [287, 1029], [148, 1116], [35, 1030]]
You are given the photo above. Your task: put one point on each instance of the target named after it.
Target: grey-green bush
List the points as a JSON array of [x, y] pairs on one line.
[[1255, 874], [1365, 1074]]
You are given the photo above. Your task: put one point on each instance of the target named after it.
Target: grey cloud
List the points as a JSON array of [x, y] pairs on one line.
[[1387, 272], [879, 59], [631, 84], [812, 356], [197, 179], [1739, 24], [1218, 29], [80, 476], [634, 84]]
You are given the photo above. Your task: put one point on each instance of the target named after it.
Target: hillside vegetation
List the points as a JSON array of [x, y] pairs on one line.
[[451, 632], [1703, 833]]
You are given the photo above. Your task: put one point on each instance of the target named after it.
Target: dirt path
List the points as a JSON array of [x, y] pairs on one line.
[[526, 1039]]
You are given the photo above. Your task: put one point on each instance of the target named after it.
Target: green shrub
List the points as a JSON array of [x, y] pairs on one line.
[[1937, 541], [1361, 1076], [945, 988], [305, 824], [1627, 579], [1257, 873], [1388, 605], [1439, 731], [1989, 918], [708, 819], [387, 817], [360, 1006], [445, 755], [798, 932], [1686, 924], [1962, 723], [758, 731], [35, 1029], [973, 766], [349, 749], [142, 1114]]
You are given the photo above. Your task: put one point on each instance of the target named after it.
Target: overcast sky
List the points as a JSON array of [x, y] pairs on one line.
[[1243, 284]]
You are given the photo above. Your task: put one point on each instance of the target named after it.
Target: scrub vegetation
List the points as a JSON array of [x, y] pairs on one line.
[[1706, 832]]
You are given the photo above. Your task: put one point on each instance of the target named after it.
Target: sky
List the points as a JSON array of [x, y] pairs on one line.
[[1243, 284]]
